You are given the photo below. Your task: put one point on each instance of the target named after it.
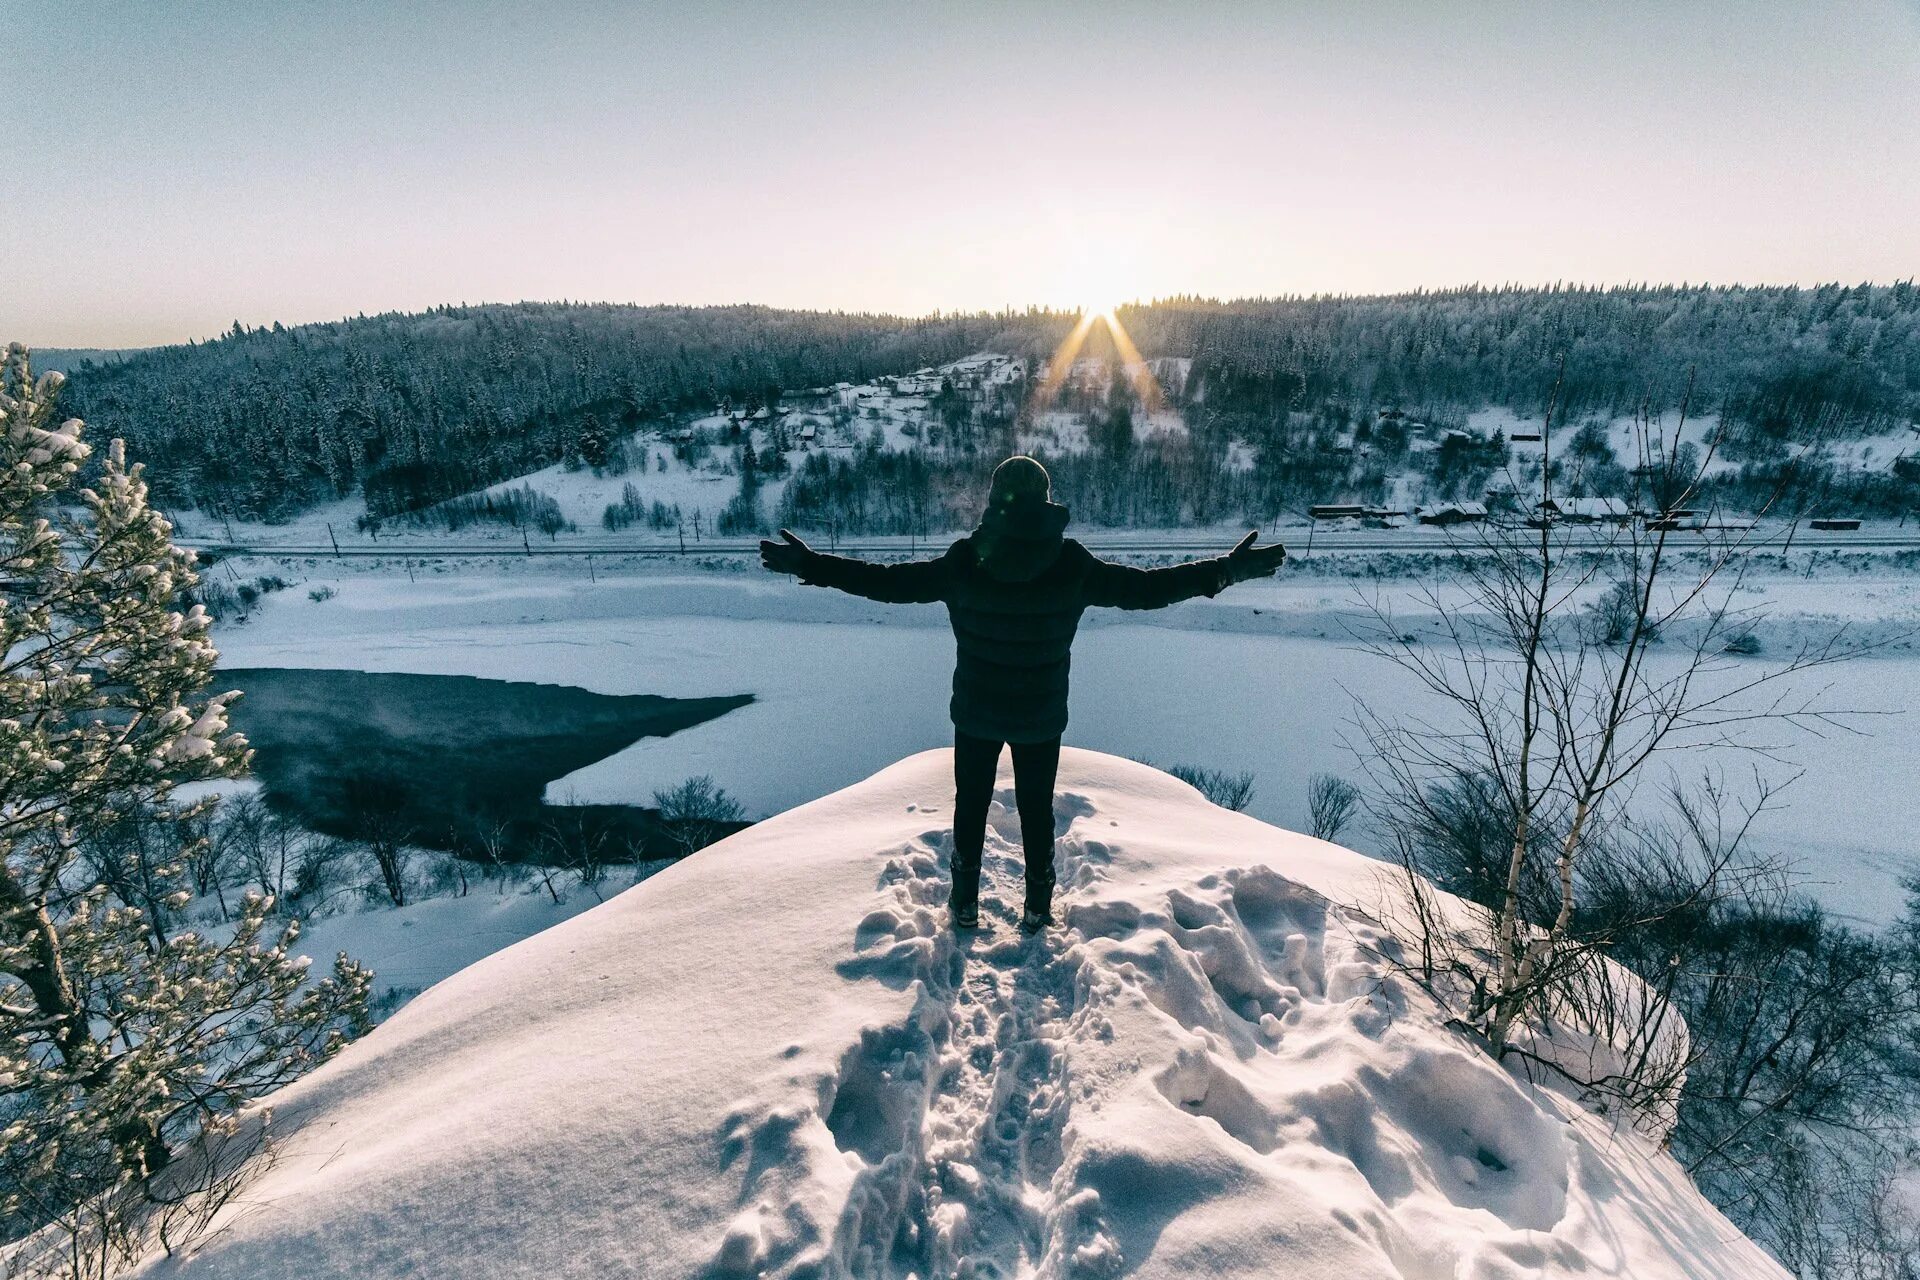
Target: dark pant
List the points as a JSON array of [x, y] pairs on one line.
[[975, 761]]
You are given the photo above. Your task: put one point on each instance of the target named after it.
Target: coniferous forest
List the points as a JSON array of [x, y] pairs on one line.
[[409, 410]]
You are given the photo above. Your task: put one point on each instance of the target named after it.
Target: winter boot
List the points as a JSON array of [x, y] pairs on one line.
[[963, 897], [1039, 912]]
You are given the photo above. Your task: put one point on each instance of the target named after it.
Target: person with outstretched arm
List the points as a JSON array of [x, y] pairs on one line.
[[1015, 589]]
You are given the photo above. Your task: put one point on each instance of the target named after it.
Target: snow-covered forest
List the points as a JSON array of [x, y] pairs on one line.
[[1252, 409]]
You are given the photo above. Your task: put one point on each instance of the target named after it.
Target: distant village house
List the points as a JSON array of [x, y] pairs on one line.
[[1450, 513], [1583, 510]]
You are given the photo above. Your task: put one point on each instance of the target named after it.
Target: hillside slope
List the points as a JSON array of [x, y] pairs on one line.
[[774, 1059]]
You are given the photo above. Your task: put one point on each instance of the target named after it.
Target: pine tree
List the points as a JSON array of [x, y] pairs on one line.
[[117, 1042]]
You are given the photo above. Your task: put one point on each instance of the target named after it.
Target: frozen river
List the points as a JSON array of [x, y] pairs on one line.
[[1264, 679]]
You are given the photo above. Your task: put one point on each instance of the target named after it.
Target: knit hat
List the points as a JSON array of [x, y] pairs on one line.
[[1019, 477]]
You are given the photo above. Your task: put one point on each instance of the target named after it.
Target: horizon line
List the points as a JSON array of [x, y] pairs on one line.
[[1008, 310]]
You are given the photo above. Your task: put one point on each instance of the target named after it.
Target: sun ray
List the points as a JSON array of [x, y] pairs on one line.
[[1061, 362], [1132, 365]]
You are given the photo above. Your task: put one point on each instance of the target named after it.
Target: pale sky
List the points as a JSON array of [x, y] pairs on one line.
[[171, 167]]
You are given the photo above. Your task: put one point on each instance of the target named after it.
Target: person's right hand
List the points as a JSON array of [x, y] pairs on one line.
[[788, 556], [1249, 561]]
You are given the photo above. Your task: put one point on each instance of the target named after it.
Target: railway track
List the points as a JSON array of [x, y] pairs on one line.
[[1345, 543]]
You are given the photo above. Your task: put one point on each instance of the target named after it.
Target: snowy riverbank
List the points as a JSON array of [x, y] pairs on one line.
[[1262, 678]]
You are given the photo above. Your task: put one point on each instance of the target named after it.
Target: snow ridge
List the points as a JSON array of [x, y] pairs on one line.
[[776, 1060], [958, 1116], [993, 1133]]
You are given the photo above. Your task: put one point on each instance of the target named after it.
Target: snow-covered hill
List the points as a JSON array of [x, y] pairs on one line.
[[774, 1059]]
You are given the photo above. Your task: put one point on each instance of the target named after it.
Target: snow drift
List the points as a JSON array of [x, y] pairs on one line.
[[774, 1059]]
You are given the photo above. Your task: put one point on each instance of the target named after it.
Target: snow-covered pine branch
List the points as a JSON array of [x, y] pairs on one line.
[[117, 1043]]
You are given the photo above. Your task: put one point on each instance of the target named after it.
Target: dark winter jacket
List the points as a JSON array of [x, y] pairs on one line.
[[1014, 591]]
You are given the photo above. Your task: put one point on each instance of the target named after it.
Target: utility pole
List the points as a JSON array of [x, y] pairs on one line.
[[590, 574], [335, 541], [523, 541]]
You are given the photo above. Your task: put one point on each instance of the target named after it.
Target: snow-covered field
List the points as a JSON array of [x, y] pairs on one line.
[[1632, 442], [774, 1059], [1261, 678]]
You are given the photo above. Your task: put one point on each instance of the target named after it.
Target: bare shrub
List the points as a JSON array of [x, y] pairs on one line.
[[218, 598], [1640, 951], [1228, 790], [1615, 617], [326, 867], [383, 826], [584, 840], [448, 873], [291, 864], [1332, 802], [1545, 721], [696, 813]]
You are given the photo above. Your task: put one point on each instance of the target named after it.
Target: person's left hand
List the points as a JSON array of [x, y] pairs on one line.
[[1249, 561], [787, 556]]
